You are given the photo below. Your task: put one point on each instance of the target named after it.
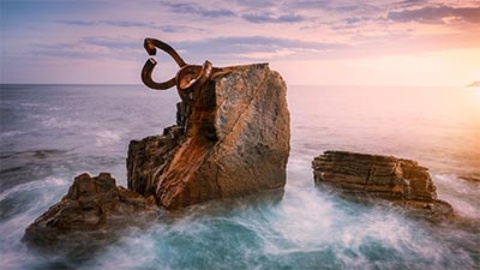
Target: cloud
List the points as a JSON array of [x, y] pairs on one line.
[[92, 47], [411, 3], [111, 43], [311, 4], [125, 24], [218, 50], [251, 47], [356, 20], [436, 14], [250, 14], [256, 3], [194, 9], [269, 18], [77, 22], [168, 28], [172, 28], [332, 6], [64, 50]]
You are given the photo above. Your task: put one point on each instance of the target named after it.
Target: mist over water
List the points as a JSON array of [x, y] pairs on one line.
[[50, 134]]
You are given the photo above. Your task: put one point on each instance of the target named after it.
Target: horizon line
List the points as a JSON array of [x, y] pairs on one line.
[[293, 85]]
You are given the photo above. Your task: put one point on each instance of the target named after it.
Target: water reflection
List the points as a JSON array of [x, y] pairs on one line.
[[438, 127]]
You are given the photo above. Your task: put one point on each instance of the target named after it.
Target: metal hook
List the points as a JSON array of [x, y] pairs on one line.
[[147, 77], [151, 46], [187, 76], [187, 79]]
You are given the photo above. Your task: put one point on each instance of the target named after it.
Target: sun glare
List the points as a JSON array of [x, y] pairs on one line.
[[475, 95]]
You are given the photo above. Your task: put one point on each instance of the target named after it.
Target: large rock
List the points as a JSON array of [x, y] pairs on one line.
[[235, 142], [94, 208], [401, 181]]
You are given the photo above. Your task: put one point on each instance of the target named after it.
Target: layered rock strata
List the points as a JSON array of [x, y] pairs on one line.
[[401, 181], [234, 142], [92, 205]]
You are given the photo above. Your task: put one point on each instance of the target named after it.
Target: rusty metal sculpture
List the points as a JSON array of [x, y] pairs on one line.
[[188, 79], [197, 95]]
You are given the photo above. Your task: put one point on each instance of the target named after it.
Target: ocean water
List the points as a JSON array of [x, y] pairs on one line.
[[51, 133]]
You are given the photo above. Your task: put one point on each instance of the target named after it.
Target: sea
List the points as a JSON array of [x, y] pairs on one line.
[[52, 133]]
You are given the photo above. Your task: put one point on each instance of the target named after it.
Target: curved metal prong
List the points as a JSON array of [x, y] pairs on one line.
[[192, 75], [147, 77], [150, 44]]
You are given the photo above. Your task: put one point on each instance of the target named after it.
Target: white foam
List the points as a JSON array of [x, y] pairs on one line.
[[107, 137], [53, 122], [391, 231], [34, 186], [132, 252], [304, 219], [29, 104], [7, 134], [17, 256], [461, 194], [451, 182]]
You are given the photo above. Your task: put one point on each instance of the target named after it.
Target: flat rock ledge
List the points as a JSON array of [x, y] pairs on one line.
[[400, 181], [93, 209]]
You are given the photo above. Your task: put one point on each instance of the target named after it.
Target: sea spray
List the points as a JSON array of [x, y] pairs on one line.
[[248, 233]]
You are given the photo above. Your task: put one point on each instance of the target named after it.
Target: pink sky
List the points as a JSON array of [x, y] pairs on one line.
[[410, 42]]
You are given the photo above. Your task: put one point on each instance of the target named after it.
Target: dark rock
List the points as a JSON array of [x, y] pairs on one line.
[[94, 208], [235, 142], [401, 181], [148, 158]]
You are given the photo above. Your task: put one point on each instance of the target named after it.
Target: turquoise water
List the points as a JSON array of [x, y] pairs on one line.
[[51, 133]]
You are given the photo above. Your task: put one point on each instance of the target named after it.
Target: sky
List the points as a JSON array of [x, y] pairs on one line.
[[341, 42]]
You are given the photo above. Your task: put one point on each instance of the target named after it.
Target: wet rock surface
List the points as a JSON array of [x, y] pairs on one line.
[[401, 181], [94, 208], [234, 142]]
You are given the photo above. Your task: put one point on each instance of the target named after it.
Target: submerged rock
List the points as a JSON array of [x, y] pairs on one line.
[[235, 142], [401, 181], [94, 208]]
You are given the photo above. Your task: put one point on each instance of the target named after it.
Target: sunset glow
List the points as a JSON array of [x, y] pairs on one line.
[[244, 134], [427, 43]]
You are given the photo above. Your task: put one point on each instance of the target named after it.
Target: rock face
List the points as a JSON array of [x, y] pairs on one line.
[[398, 180], [235, 141], [93, 205]]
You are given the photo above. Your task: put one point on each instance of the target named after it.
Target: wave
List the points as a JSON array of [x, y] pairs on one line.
[[34, 186], [53, 122], [461, 194], [40, 153], [107, 137], [8, 134]]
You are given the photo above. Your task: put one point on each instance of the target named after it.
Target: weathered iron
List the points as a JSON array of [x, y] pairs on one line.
[[188, 79]]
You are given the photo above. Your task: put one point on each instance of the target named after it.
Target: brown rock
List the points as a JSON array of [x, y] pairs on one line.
[[93, 206], [236, 143], [398, 180]]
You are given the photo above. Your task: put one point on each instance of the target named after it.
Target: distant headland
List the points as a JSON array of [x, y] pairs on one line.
[[474, 84]]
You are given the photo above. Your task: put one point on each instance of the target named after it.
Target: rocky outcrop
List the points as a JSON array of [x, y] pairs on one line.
[[235, 141], [401, 181], [147, 159], [94, 208]]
